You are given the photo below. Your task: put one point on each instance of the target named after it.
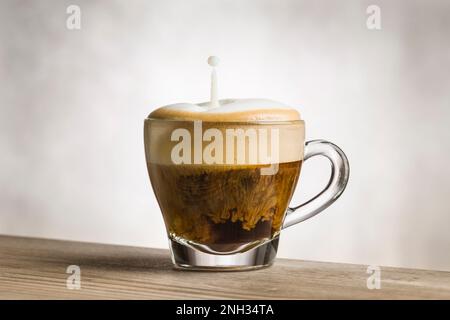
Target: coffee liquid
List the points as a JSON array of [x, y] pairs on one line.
[[221, 208]]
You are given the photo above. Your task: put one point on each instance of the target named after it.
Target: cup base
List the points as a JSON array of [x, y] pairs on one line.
[[187, 258]]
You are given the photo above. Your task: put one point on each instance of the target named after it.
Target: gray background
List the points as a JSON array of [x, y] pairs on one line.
[[72, 105]]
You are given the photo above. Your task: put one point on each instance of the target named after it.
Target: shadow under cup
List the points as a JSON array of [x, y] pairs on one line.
[[223, 187]]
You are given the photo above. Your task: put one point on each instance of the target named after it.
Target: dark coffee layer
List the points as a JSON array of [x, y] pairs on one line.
[[223, 207]]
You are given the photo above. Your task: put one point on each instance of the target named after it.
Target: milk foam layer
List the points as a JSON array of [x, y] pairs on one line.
[[159, 144], [228, 110]]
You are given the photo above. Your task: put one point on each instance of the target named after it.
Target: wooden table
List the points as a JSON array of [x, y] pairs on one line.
[[36, 269]]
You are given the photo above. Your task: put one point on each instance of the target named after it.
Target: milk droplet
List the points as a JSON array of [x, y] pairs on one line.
[[214, 62]]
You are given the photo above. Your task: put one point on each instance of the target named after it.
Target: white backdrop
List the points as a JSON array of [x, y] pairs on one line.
[[72, 104]]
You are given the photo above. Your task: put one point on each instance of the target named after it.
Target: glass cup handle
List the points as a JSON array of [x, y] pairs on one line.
[[340, 171]]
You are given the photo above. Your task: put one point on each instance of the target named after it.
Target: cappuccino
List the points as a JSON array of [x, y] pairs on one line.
[[224, 198], [224, 172]]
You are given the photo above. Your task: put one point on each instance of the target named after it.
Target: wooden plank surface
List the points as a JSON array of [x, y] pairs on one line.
[[36, 269]]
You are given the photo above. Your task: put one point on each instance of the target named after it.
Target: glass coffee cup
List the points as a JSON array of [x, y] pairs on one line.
[[224, 175]]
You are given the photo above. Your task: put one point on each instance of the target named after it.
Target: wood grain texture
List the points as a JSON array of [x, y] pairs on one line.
[[36, 269]]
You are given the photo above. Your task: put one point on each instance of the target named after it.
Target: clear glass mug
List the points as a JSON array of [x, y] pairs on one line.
[[224, 187]]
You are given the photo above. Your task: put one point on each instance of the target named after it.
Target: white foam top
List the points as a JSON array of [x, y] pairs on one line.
[[228, 110]]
